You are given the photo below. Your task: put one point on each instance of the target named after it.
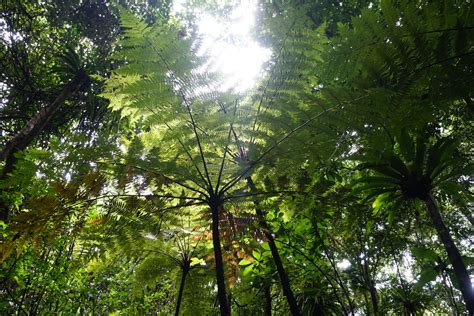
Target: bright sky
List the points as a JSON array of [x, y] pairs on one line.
[[229, 44]]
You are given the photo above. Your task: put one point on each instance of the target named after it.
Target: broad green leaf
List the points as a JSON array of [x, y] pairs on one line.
[[266, 246], [387, 170], [427, 275], [468, 260], [407, 147], [398, 164], [425, 254], [256, 255], [380, 201], [245, 262], [248, 270]]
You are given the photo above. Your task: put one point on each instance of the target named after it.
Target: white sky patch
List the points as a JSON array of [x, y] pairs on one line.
[[344, 264], [230, 47], [6, 35]]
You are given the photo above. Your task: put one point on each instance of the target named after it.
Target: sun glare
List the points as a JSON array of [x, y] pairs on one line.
[[229, 45]]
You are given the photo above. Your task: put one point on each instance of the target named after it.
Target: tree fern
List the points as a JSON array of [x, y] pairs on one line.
[[401, 50]]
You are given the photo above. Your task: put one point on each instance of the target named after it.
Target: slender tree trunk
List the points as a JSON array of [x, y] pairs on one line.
[[285, 282], [215, 205], [33, 128], [372, 290], [454, 256], [267, 308], [339, 281], [37, 123], [373, 297], [367, 305], [184, 274], [337, 276]]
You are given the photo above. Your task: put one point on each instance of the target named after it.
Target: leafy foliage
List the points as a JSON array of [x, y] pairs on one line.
[[347, 169]]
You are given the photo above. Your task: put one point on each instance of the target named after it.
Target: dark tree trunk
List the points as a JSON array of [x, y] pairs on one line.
[[184, 274], [221, 291], [374, 299], [34, 127], [368, 310], [36, 124], [285, 282], [371, 285], [454, 256], [267, 308]]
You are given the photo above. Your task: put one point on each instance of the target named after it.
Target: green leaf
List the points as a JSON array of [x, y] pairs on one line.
[[407, 148], [266, 246], [468, 260], [387, 170], [452, 188], [196, 261], [248, 270], [425, 254], [244, 262], [381, 180], [368, 227], [398, 164], [434, 156], [380, 201], [377, 192], [391, 216], [427, 275], [420, 154], [256, 255]]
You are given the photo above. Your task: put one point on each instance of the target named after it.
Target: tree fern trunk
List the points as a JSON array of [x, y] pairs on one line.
[[373, 297], [267, 308], [221, 291], [184, 274], [453, 254], [285, 282]]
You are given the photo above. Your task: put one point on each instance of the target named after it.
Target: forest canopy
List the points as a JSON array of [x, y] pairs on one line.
[[236, 157]]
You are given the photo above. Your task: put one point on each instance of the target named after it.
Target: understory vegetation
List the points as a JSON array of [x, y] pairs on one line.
[[341, 183]]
